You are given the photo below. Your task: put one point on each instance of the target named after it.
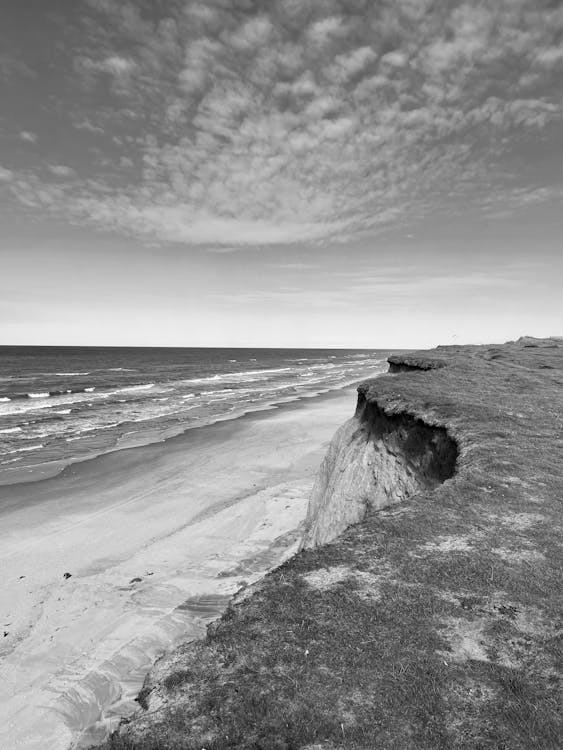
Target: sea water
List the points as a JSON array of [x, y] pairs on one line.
[[59, 405]]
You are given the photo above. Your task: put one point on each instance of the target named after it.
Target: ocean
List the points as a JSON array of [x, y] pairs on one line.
[[59, 405]]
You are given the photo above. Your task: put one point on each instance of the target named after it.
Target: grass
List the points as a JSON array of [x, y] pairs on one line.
[[440, 629]]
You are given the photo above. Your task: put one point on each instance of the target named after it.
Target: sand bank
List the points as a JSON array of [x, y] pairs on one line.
[[156, 539]]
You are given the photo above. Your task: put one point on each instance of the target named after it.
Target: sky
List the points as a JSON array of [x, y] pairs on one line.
[[323, 173]]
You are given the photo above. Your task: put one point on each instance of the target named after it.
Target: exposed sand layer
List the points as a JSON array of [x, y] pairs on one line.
[[374, 461], [156, 539]]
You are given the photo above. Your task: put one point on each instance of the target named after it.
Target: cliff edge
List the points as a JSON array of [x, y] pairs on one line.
[[376, 459], [424, 610]]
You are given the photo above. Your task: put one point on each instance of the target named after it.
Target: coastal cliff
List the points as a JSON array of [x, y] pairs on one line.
[[375, 460], [424, 608]]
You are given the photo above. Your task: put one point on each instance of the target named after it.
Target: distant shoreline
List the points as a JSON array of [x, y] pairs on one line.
[[63, 407]]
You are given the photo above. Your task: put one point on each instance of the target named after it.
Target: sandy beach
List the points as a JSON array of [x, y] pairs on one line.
[[155, 539]]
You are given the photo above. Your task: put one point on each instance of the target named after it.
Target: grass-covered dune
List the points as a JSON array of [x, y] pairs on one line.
[[434, 620]]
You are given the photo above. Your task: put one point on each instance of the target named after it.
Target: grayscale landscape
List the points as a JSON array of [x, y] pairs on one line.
[[281, 369]]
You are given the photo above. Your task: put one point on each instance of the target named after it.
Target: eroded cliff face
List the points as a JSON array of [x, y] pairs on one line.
[[375, 460], [406, 363]]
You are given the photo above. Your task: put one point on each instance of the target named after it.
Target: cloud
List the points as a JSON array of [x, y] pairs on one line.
[[399, 287], [350, 64], [325, 29], [303, 121], [500, 205], [27, 136], [13, 67], [551, 57], [250, 34], [60, 170], [173, 224], [120, 68], [395, 59], [223, 249], [6, 175], [430, 284], [116, 66], [88, 126], [297, 266], [470, 30]]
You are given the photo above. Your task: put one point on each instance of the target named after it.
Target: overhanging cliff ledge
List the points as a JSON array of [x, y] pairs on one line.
[[433, 622], [412, 363], [376, 459]]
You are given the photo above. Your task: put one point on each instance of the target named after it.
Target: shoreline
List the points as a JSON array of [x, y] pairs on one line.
[[10, 477], [79, 648]]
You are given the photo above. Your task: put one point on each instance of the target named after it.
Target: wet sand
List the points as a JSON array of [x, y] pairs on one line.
[[156, 539]]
